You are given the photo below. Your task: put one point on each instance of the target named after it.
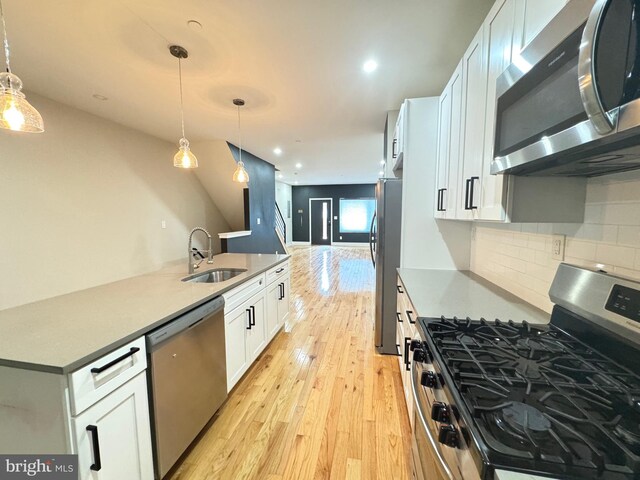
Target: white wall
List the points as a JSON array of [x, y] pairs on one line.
[[285, 203], [82, 205], [518, 257]]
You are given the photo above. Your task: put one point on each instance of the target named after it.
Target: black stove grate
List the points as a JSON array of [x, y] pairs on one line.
[[542, 398]]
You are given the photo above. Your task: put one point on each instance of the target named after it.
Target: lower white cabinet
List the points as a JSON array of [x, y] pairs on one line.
[[112, 436], [245, 337], [250, 325], [405, 332]]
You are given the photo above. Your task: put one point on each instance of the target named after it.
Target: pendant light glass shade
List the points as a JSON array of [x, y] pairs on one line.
[[185, 158], [240, 175], [15, 112]]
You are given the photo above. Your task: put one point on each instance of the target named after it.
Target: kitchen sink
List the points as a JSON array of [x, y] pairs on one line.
[[215, 276]]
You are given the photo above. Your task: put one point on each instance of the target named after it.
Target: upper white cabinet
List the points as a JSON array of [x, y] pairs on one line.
[[465, 188], [534, 15], [474, 101], [449, 124], [499, 34]]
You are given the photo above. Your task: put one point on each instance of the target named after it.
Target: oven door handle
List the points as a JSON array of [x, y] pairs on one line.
[[600, 119], [440, 461]]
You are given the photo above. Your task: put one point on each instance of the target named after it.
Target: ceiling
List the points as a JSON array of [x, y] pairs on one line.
[[297, 64]]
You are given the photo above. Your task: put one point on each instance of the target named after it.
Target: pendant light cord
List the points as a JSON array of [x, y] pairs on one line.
[[240, 133], [181, 102], [5, 41]]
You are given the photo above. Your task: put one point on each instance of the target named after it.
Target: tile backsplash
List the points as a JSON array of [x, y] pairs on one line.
[[517, 257]]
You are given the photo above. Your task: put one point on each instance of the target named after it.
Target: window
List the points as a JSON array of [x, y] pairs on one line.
[[356, 214]]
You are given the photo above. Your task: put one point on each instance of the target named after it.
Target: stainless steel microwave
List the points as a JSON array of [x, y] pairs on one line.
[[569, 104]]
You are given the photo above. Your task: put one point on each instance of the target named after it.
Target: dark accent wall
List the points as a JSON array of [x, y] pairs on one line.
[[261, 201], [300, 201]]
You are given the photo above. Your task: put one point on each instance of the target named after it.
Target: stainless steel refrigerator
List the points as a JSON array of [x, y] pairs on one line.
[[384, 242]]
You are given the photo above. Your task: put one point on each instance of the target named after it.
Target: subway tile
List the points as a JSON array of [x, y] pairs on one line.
[[580, 249], [593, 214], [542, 258], [627, 272], [537, 242], [599, 233], [615, 255], [621, 214], [628, 235], [529, 228]]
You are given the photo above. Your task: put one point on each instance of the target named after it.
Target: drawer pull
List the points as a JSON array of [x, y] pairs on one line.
[[280, 270], [400, 289], [131, 352], [252, 316], [97, 462], [399, 315], [409, 313]]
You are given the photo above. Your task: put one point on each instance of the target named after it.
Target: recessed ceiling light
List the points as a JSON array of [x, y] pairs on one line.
[[370, 66], [194, 25], [381, 173], [296, 182], [298, 165], [280, 175], [382, 162], [277, 151], [97, 96]]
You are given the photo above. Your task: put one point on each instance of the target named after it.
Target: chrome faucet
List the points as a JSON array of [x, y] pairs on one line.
[[192, 265]]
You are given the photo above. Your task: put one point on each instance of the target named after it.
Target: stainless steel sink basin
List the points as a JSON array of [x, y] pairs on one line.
[[215, 276]]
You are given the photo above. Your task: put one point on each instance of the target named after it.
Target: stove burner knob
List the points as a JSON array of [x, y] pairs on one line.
[[448, 435], [440, 412], [429, 379], [415, 344], [419, 355]]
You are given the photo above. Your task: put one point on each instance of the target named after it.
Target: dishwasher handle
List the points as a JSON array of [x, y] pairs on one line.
[[184, 322]]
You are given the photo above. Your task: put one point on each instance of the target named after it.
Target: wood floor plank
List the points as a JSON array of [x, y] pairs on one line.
[[319, 403]]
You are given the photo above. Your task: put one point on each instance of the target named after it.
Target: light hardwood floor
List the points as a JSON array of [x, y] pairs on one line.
[[319, 402]]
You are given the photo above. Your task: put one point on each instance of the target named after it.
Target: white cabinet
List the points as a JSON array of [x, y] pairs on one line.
[[499, 28], [112, 436], [533, 16], [449, 118], [466, 189], [245, 336], [253, 316], [406, 331], [278, 302], [256, 334], [474, 101]]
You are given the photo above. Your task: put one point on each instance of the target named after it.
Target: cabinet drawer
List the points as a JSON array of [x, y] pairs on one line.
[[101, 377], [233, 298], [278, 271]]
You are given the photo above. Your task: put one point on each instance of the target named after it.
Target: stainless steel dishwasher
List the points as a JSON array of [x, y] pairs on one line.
[[188, 379]]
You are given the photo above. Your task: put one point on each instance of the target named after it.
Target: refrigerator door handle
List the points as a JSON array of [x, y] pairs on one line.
[[372, 241]]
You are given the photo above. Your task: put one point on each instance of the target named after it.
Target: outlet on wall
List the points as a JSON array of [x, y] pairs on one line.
[[557, 247], [258, 220], [163, 224]]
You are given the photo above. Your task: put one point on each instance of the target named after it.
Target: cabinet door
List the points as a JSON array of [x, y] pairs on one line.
[[114, 435], [273, 308], [534, 15], [474, 79], [444, 137], [256, 336], [236, 325], [454, 176], [498, 38], [283, 306]]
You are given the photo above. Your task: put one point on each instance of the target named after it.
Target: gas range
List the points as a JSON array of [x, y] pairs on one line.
[[560, 400]]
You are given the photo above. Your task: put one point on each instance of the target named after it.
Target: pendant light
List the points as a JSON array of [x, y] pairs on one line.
[[240, 175], [184, 158], [15, 112]]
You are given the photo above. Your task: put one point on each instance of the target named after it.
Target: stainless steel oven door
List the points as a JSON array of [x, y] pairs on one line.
[[432, 459]]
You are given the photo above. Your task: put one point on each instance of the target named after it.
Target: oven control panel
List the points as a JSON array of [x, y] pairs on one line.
[[624, 301]]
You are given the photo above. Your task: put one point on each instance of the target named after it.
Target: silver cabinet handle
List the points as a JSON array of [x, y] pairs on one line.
[[441, 463], [601, 120]]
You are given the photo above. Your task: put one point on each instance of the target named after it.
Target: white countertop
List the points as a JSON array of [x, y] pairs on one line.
[[434, 293], [63, 333]]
